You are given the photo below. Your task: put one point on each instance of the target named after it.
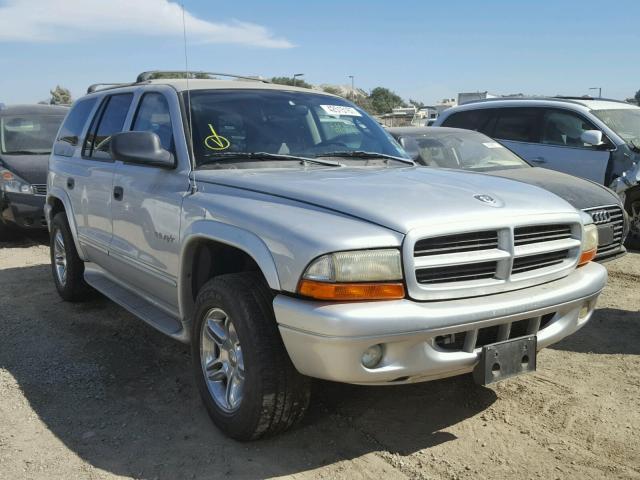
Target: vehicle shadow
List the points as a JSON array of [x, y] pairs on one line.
[[120, 396], [604, 332], [16, 239]]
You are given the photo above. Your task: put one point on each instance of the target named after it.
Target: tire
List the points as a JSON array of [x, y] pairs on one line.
[[70, 285], [632, 206], [273, 396]]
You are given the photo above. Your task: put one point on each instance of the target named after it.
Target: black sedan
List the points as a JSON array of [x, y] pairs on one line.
[[27, 133], [468, 150]]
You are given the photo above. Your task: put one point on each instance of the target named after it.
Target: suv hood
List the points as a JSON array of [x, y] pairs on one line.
[[31, 168], [578, 192], [399, 198]]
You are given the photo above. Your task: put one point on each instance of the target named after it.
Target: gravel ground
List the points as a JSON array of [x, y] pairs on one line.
[[88, 391]]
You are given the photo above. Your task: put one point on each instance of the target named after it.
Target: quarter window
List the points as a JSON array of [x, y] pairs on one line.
[[564, 128], [153, 116], [110, 121], [75, 121], [469, 120], [517, 124]]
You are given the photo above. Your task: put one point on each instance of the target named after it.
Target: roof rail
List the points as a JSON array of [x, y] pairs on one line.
[[105, 86], [146, 76]]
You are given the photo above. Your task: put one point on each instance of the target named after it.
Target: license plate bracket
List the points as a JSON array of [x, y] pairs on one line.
[[502, 360], [605, 235]]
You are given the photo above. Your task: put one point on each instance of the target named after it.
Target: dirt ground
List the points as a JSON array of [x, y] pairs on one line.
[[88, 391]]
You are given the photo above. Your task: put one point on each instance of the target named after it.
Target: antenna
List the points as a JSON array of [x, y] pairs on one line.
[[194, 187]]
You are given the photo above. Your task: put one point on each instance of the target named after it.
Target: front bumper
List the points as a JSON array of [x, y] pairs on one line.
[[22, 210], [327, 340]]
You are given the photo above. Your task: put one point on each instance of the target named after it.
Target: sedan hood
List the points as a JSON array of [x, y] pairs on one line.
[[578, 192], [398, 198], [31, 168]]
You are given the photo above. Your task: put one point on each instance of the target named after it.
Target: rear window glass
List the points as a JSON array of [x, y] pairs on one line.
[[517, 124], [111, 120], [469, 120]]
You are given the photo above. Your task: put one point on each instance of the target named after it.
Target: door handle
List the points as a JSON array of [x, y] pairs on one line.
[[539, 160], [71, 183], [118, 193]]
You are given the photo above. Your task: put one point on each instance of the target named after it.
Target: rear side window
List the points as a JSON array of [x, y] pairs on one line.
[[153, 116], [469, 120], [75, 121], [108, 121], [517, 124]]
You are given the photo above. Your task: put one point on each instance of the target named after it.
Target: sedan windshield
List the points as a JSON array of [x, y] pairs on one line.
[[461, 150], [28, 134], [624, 121], [230, 123]]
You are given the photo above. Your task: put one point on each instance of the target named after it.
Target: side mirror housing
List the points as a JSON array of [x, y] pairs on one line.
[[142, 148], [591, 137]]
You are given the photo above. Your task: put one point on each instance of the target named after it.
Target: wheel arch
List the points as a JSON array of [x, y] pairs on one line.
[[58, 201], [236, 250]]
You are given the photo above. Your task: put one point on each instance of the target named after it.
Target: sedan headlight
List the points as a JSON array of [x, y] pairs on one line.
[[10, 182], [354, 275], [589, 244]]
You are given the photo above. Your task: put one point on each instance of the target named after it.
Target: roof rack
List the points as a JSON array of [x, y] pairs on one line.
[[106, 86], [146, 76]]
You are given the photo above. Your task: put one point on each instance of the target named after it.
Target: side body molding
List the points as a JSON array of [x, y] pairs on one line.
[[57, 193], [211, 230]]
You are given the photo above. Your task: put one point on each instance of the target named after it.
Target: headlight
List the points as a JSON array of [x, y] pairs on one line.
[[10, 182], [354, 275], [589, 244]]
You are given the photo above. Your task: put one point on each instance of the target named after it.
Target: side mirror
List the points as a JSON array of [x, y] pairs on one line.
[[591, 137], [143, 148]]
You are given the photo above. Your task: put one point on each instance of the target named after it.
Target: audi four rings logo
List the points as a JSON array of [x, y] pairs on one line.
[[601, 216]]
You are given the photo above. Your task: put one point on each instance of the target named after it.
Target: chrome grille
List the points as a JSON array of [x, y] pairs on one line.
[[442, 264], [613, 217], [540, 233], [39, 190]]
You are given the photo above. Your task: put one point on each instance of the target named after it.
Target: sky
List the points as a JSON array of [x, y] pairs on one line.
[[424, 50]]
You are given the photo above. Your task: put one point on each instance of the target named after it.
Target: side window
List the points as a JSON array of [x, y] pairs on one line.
[[469, 120], [564, 128], [153, 116], [75, 121], [109, 120], [517, 124]]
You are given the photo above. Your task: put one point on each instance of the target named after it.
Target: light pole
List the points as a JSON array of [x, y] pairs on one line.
[[599, 91], [296, 75], [352, 90]]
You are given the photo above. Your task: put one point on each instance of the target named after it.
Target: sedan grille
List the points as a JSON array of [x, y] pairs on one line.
[[610, 223]]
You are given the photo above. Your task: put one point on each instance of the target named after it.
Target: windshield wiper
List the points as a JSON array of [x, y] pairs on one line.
[[25, 152], [225, 156], [634, 146], [362, 154]]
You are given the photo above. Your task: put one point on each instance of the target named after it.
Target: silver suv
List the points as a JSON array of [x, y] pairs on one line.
[[285, 235], [595, 139]]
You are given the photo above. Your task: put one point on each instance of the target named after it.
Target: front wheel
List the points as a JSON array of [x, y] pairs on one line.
[[66, 266], [632, 206], [246, 379]]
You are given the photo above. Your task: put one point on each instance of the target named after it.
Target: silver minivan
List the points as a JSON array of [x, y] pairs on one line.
[[591, 138]]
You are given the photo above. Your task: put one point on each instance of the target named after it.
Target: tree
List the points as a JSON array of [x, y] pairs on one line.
[[417, 104], [332, 90], [384, 100], [289, 81], [60, 96]]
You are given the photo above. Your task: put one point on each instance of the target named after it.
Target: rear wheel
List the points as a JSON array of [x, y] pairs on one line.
[[66, 266], [632, 206], [246, 379]]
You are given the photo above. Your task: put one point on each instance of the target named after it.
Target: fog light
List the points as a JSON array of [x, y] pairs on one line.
[[584, 312], [372, 356]]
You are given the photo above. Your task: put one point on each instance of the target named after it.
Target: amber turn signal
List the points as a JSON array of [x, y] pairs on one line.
[[586, 257], [351, 291]]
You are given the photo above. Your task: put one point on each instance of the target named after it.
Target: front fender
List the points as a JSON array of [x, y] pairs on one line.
[[236, 237]]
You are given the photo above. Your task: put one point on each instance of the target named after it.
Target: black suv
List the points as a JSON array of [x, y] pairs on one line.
[[27, 133]]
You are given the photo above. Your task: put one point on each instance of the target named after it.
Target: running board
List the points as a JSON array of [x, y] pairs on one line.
[[134, 303]]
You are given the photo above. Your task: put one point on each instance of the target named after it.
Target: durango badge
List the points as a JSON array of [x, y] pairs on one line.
[[485, 198]]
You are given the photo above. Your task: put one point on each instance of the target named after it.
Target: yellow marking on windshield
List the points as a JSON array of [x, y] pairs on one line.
[[215, 141]]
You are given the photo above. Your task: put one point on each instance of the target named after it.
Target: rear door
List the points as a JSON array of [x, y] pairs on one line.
[[146, 214], [519, 130], [93, 184]]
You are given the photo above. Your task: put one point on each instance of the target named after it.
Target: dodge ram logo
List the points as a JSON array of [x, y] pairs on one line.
[[485, 198], [601, 216]]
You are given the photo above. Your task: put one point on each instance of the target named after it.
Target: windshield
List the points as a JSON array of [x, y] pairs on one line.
[[462, 150], [624, 121], [228, 122], [28, 134]]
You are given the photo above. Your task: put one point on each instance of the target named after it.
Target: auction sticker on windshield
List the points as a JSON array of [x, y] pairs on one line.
[[492, 145], [340, 110]]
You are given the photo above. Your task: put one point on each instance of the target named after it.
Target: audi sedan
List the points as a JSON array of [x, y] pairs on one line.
[[443, 147]]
